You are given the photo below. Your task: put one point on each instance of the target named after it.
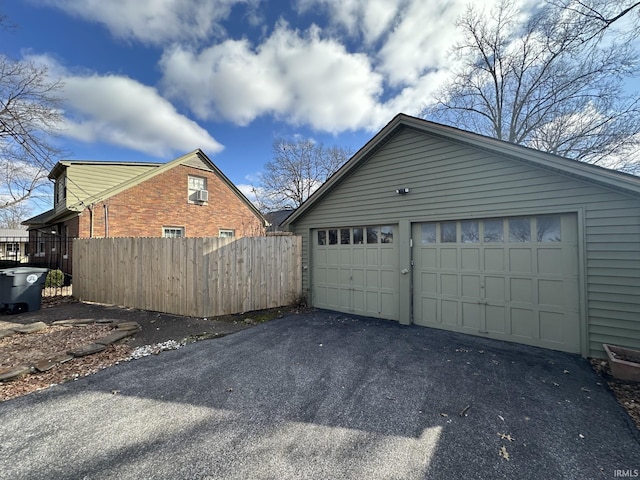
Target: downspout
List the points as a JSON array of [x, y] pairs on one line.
[[106, 220]]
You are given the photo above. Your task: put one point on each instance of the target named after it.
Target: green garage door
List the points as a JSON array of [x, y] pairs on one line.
[[355, 270], [512, 279]]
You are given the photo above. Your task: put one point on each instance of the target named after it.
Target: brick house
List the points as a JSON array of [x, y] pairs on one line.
[[187, 197]]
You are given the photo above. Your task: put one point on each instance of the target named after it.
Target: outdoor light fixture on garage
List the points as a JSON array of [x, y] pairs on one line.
[[402, 191]]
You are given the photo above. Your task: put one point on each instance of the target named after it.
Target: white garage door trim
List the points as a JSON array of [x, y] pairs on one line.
[[510, 278], [355, 270]]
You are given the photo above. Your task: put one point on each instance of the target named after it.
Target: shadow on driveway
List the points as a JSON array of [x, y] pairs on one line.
[[326, 395]]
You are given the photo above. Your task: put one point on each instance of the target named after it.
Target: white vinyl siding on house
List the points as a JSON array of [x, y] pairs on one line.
[[450, 180]]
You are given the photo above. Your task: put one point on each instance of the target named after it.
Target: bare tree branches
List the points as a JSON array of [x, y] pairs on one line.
[[551, 82], [295, 172], [29, 114]]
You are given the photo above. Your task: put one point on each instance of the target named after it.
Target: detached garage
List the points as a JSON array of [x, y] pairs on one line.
[[435, 226]]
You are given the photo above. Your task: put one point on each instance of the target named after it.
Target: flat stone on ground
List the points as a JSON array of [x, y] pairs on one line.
[[49, 363], [13, 372], [8, 325], [31, 327], [115, 336], [74, 321], [6, 333], [128, 326], [86, 350]]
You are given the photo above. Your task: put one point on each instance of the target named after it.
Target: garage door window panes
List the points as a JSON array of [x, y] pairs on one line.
[[470, 232], [493, 231], [428, 233], [520, 230], [386, 235], [356, 235], [543, 228], [548, 228], [448, 232]]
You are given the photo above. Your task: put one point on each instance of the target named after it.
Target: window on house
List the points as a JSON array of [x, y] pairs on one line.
[[386, 234], [357, 236], [493, 231], [548, 228], [322, 237], [40, 242], [173, 232], [61, 190], [519, 229], [372, 234], [226, 233], [448, 232], [469, 232], [13, 249], [196, 186], [428, 231]]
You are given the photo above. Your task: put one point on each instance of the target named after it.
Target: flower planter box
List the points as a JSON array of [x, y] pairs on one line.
[[624, 362]]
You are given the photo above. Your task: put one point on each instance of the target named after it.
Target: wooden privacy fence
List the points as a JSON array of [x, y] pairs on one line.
[[200, 277]]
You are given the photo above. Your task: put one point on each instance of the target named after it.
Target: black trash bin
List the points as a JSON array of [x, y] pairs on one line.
[[21, 288]]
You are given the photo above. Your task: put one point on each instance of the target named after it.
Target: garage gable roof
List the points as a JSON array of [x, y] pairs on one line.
[[605, 177]]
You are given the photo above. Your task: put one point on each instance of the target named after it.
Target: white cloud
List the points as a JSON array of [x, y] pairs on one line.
[[369, 18], [370, 60], [300, 78], [155, 21], [421, 41], [121, 111]]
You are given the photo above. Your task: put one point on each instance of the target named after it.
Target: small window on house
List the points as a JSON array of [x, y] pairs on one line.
[[61, 190], [448, 232], [173, 232], [493, 231], [345, 236], [197, 185], [469, 232], [322, 237], [372, 234], [357, 236], [548, 228], [386, 234], [333, 237], [428, 231], [40, 244], [13, 249], [520, 230], [226, 233]]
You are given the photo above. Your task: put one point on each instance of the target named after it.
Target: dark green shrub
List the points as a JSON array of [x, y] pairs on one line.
[[55, 278]]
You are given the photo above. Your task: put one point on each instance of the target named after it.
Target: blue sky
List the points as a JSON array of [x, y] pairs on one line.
[[149, 80]]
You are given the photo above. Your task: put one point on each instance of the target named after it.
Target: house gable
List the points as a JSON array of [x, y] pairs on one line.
[[78, 182]]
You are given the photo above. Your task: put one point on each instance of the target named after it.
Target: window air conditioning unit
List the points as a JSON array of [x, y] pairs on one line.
[[202, 196]]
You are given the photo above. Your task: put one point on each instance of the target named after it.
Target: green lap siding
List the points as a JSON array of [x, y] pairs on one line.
[[450, 180]]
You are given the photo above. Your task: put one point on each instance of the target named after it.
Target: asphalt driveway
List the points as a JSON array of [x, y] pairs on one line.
[[326, 396]]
